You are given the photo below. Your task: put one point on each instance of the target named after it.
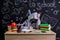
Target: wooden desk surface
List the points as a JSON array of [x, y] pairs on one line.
[[35, 35], [34, 32]]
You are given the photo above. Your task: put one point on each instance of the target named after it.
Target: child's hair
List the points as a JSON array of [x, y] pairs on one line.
[[39, 12]]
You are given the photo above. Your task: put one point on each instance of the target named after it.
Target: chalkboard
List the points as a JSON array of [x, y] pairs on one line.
[[17, 10], [49, 20]]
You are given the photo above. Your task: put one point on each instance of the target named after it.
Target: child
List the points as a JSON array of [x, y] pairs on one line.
[[35, 20]]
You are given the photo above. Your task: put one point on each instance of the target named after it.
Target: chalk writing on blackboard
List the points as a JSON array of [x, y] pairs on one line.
[[38, 8], [45, 18], [40, 5], [32, 4], [30, 1], [17, 2], [52, 9], [59, 2], [6, 16], [34, 0], [21, 1], [55, 12], [10, 2], [5, 10], [44, 4], [48, 19], [58, 28], [54, 21], [46, 10], [25, 0], [5, 4]]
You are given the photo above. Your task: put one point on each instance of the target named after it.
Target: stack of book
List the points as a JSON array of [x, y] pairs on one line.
[[45, 27]]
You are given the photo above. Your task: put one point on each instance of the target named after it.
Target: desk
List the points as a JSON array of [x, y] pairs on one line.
[[36, 35]]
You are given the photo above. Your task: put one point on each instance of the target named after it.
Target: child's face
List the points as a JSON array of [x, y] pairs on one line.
[[38, 15]]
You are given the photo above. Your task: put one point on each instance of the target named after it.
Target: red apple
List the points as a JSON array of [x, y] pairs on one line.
[[13, 24]]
